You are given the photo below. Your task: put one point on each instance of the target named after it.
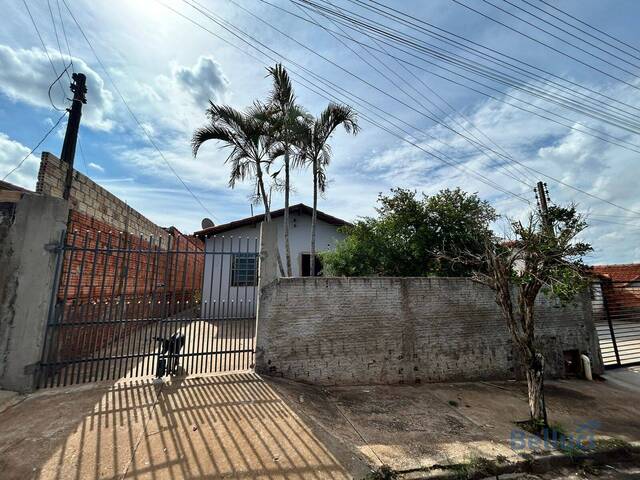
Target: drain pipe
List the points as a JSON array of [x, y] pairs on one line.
[[586, 367]]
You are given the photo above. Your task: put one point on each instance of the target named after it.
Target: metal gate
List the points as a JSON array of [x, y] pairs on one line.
[[129, 307], [616, 313]]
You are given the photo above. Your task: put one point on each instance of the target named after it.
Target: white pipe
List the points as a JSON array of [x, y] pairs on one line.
[[586, 365]]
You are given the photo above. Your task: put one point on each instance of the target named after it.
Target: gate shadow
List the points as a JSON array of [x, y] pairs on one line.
[[226, 426]]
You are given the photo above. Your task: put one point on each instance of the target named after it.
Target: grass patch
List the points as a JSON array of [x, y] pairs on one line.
[[604, 444], [474, 467]]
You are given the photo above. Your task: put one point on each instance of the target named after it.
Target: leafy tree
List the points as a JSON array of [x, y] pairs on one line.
[[544, 255], [316, 152], [409, 231]]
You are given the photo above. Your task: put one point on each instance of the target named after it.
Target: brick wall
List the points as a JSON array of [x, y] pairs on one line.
[[91, 199], [102, 289], [404, 330]]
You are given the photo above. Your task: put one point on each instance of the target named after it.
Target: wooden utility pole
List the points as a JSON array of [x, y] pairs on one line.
[[79, 89]]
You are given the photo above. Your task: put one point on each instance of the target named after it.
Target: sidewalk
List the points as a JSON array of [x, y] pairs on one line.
[[243, 426]]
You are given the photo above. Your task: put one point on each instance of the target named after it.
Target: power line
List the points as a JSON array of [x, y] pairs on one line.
[[572, 34], [560, 38], [44, 47], [529, 168], [133, 115], [308, 72], [594, 108], [489, 17], [46, 135], [567, 126], [401, 78], [440, 120], [588, 25]]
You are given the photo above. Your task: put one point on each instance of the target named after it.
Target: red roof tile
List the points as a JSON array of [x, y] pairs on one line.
[[619, 273]]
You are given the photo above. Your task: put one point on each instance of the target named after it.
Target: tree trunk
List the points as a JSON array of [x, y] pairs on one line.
[[535, 386], [312, 269], [267, 212], [287, 249]]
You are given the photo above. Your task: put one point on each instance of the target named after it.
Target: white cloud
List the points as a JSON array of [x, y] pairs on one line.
[[204, 81], [11, 153], [96, 166], [25, 75]]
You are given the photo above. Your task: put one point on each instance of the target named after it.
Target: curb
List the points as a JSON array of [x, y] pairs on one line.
[[537, 465]]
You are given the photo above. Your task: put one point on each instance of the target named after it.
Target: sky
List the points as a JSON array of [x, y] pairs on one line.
[[167, 68]]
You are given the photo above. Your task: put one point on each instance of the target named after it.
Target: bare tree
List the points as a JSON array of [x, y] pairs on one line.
[[544, 255]]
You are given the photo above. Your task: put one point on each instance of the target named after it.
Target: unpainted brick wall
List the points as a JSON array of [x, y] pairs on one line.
[[103, 289], [91, 199], [335, 331]]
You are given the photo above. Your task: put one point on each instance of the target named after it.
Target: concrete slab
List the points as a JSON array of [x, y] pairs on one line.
[[233, 426]]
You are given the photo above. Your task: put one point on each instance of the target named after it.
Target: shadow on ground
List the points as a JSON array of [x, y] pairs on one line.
[[231, 426]]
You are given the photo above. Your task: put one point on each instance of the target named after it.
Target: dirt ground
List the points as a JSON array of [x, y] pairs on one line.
[[243, 426]]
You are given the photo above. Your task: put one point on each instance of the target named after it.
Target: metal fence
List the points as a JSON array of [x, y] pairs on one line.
[[616, 311], [128, 307]]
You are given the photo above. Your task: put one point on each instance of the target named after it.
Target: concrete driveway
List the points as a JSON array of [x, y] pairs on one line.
[[243, 426], [231, 426]]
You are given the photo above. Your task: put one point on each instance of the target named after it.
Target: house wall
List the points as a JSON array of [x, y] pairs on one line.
[[404, 330], [219, 298]]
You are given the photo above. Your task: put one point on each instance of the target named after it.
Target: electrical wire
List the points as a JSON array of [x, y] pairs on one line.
[[46, 51], [597, 69], [588, 25], [46, 135], [133, 115], [476, 144], [591, 107], [548, 176], [280, 57]]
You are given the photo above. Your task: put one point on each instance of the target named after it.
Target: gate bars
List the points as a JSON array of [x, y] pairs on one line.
[[120, 302], [616, 314]]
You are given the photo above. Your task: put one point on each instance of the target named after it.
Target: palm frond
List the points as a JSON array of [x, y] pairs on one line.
[[282, 92]]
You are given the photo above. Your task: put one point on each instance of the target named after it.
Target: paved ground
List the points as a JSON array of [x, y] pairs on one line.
[[242, 426]]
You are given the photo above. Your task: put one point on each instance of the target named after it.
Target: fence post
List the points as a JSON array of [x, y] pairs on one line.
[[605, 304], [27, 271]]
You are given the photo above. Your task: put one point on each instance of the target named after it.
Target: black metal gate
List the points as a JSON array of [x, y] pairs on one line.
[[128, 307], [616, 313]]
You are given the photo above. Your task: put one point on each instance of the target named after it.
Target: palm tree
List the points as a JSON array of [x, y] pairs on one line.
[[247, 135], [288, 124], [316, 152]]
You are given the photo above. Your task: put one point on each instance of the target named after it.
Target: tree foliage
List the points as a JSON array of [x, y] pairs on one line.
[[409, 231], [544, 255]]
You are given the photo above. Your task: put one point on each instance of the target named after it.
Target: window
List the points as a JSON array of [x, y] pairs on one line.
[[244, 269], [306, 265]]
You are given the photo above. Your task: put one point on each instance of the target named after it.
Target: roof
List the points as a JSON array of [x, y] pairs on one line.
[[298, 208], [12, 187], [628, 272]]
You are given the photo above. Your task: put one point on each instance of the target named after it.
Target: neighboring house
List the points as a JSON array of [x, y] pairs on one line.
[[230, 280], [620, 289]]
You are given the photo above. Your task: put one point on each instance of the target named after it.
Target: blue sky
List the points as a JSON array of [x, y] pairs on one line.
[[166, 68]]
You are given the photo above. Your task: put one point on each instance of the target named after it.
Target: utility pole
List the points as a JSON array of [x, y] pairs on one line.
[[543, 199], [79, 89]]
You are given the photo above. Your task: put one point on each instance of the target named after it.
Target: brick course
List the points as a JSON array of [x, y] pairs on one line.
[[404, 330]]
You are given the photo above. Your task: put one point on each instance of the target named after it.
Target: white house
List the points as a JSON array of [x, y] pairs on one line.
[[231, 265]]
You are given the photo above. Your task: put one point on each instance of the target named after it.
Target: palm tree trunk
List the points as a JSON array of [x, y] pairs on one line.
[[267, 212], [287, 249], [312, 269]]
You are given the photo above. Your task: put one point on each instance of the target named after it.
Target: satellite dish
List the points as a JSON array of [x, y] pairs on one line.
[[207, 223]]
